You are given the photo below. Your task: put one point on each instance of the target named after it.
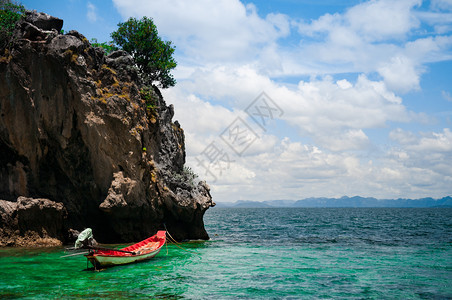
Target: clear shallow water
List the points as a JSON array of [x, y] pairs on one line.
[[291, 253]]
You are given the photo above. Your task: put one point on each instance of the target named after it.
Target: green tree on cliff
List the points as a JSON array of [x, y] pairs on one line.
[[153, 56], [10, 13], [108, 47]]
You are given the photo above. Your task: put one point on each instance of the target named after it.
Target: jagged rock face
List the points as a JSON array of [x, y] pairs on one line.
[[78, 127], [31, 222]]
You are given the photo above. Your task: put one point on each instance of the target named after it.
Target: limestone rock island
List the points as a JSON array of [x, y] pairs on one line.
[[84, 143]]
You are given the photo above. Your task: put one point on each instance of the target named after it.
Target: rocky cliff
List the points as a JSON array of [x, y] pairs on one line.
[[80, 131]]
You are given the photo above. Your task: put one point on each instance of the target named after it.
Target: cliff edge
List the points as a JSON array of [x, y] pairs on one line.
[[84, 143]]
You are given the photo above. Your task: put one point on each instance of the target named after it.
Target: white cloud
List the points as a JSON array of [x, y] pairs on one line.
[[344, 84], [400, 74], [92, 12], [446, 95], [370, 21], [441, 4], [335, 117], [374, 36], [210, 30], [430, 49], [352, 139], [333, 114], [429, 143], [295, 170], [426, 158], [384, 19], [402, 137]]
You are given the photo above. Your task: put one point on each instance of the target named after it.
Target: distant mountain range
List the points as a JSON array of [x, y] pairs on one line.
[[356, 201]]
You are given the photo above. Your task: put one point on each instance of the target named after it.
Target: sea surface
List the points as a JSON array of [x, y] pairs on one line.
[[264, 253]]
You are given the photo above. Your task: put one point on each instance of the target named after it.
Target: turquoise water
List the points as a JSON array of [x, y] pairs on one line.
[[338, 253]]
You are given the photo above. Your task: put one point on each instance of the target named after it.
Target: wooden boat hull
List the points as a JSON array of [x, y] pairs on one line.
[[144, 250], [106, 261]]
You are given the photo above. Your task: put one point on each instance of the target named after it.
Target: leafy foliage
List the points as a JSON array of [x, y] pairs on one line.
[[108, 47], [188, 176], [147, 96], [10, 13], [152, 55]]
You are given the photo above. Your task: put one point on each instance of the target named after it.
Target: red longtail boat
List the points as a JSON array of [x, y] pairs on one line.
[[150, 247]]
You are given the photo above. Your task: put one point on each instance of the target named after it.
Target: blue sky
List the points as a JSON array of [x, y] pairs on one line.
[[364, 89]]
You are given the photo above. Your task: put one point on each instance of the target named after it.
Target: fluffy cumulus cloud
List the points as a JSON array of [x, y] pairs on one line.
[[294, 168], [332, 113], [424, 158], [382, 20], [211, 30], [334, 135], [442, 4], [400, 74], [369, 21], [376, 36], [335, 113]]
